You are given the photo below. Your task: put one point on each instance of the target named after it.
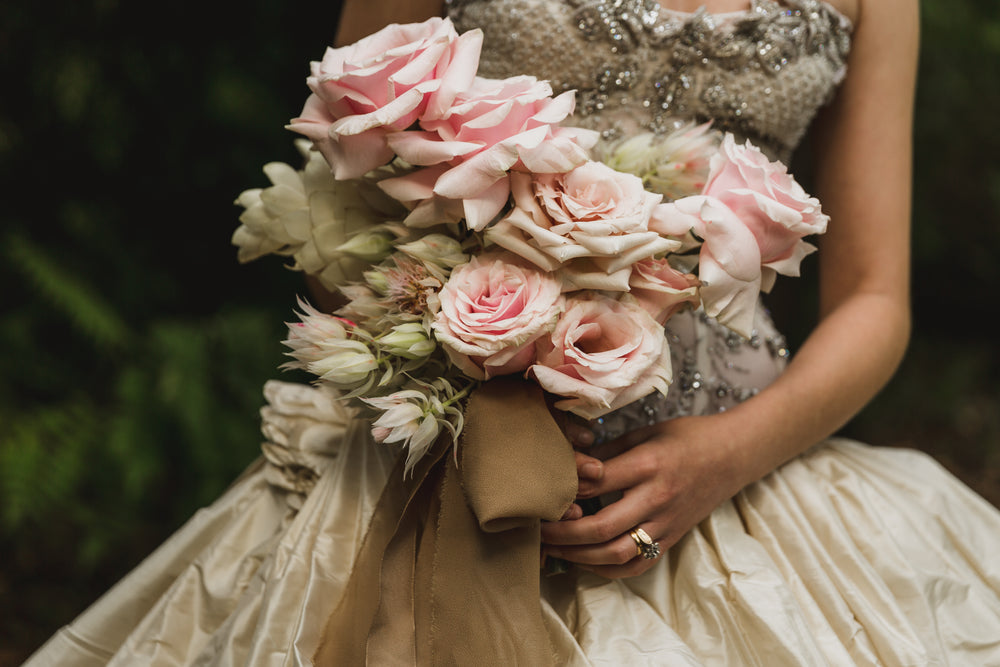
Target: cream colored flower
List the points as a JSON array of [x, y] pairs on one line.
[[332, 229], [409, 340], [674, 165], [330, 348], [415, 417], [438, 249]]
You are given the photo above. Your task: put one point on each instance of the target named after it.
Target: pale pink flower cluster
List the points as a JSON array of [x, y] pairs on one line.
[[752, 217], [411, 91], [415, 417], [322, 345], [493, 309], [560, 268], [590, 225], [381, 84], [500, 315]]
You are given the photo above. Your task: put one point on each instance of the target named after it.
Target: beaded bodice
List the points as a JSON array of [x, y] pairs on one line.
[[761, 73]]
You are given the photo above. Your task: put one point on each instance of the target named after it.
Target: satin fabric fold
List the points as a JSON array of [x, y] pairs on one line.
[[847, 555], [449, 569]]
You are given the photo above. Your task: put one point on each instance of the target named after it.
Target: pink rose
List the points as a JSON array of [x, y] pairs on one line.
[[729, 264], [492, 310], [592, 223], [661, 289], [496, 126], [602, 354], [381, 84], [751, 218], [771, 203]]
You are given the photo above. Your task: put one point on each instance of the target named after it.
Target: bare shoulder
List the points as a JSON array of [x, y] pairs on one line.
[[886, 30], [855, 10], [847, 8], [858, 10]]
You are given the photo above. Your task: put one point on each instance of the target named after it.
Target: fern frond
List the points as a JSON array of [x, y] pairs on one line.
[[92, 315], [43, 460]]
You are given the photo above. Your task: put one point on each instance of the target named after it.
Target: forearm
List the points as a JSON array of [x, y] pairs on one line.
[[848, 358], [863, 179]]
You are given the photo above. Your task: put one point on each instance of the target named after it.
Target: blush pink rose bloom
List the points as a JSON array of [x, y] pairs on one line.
[[591, 224], [661, 289], [602, 354], [492, 311], [382, 84], [495, 127], [772, 204], [752, 218]]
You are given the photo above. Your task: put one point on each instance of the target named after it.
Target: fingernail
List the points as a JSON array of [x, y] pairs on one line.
[[592, 470]]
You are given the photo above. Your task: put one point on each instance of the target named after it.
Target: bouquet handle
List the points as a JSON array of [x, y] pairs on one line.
[[448, 571]]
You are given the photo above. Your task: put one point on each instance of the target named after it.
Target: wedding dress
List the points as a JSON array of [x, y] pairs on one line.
[[846, 555]]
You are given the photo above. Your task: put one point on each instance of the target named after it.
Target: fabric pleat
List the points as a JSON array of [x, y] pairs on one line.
[[848, 555]]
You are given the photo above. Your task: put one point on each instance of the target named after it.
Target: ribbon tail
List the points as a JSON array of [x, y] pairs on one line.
[[368, 608], [448, 571]]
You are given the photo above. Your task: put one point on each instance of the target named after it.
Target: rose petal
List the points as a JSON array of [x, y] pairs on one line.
[[427, 148], [481, 209]]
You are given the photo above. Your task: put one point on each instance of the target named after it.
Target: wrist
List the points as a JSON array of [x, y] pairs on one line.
[[728, 450], [748, 449]]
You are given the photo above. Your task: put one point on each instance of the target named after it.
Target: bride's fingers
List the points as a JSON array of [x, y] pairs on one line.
[[588, 468], [618, 551], [574, 512], [620, 473], [608, 524], [579, 435]]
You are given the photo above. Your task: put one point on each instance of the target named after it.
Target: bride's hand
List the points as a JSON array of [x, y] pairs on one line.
[[672, 475]]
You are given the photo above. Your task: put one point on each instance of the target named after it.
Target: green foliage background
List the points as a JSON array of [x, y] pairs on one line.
[[134, 346]]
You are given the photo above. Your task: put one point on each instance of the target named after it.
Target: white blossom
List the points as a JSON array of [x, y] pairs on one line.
[[416, 417], [674, 165], [331, 348], [311, 217], [409, 340]]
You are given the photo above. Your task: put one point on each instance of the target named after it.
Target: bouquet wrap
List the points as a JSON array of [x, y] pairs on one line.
[[457, 536]]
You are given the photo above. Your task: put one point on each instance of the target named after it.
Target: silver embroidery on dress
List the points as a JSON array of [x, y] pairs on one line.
[[761, 74]]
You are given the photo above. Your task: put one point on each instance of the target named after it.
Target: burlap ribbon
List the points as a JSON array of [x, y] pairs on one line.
[[448, 573]]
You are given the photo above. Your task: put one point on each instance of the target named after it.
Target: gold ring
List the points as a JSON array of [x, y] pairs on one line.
[[644, 544]]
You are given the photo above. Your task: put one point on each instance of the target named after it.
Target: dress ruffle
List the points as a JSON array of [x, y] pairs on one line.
[[849, 554]]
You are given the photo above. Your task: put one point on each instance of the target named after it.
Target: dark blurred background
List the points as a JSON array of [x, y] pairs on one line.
[[134, 346]]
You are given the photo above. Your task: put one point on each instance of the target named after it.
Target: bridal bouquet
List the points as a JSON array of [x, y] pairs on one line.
[[470, 236]]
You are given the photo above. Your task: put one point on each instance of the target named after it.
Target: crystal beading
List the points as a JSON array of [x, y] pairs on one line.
[[761, 73]]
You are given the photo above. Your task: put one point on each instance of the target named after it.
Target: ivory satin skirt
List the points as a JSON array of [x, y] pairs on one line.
[[848, 555]]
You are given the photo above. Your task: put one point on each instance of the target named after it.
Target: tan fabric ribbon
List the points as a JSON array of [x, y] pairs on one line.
[[448, 573]]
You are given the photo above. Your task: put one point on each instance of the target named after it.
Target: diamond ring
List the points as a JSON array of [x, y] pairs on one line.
[[644, 544]]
